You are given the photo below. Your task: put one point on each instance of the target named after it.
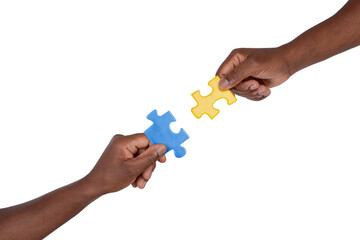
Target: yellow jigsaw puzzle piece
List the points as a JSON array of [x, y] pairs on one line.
[[205, 104]]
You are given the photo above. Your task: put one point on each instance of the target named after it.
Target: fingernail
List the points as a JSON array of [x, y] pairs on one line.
[[252, 87], [263, 93], [224, 84]]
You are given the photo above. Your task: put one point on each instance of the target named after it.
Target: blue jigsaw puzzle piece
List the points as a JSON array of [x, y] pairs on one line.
[[160, 132]]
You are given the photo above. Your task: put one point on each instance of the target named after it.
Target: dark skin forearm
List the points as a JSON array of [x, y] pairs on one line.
[[38, 218], [251, 72], [125, 161], [333, 36]]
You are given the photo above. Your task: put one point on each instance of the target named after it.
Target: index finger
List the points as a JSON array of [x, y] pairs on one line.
[[230, 63]]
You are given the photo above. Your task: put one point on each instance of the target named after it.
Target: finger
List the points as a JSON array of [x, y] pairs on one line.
[[162, 159], [261, 93], [235, 58], [240, 73], [135, 183], [136, 141], [147, 158], [246, 86], [141, 182], [148, 172], [251, 87]]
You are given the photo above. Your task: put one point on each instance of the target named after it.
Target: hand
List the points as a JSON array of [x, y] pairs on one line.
[[126, 160], [142, 179], [250, 73]]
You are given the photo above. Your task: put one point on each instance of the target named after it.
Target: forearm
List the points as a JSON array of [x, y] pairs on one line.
[[335, 35], [116, 169], [38, 218]]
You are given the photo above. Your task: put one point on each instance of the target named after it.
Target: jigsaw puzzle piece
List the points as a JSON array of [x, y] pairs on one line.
[[205, 104], [180, 151], [164, 120], [227, 94], [160, 132]]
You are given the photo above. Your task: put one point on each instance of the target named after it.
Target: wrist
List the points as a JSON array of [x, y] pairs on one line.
[[89, 188], [292, 57]]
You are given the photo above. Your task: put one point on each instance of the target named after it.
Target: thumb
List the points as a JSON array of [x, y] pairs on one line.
[[147, 158], [236, 76]]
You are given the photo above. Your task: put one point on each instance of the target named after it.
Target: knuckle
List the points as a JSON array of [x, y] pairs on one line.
[[241, 53], [238, 51], [244, 86], [117, 139], [117, 136], [234, 51]]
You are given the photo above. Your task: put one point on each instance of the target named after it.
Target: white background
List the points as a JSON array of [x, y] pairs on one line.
[[74, 73]]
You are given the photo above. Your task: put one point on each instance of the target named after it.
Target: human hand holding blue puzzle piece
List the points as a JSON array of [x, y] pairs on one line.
[[160, 133]]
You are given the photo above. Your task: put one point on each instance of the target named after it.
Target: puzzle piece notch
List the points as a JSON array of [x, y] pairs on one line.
[[205, 104], [164, 119], [160, 132]]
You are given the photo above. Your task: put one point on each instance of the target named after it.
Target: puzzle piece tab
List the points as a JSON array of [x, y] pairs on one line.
[[205, 104], [160, 132]]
